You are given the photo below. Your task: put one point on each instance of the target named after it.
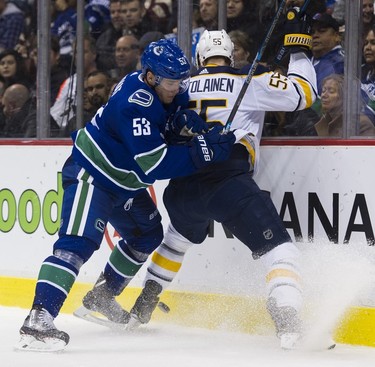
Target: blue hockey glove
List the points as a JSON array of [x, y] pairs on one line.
[[188, 123], [211, 147]]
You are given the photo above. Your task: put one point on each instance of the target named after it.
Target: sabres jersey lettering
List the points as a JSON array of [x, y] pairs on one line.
[[220, 84]]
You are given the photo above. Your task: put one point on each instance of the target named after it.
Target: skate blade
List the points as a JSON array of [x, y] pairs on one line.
[[29, 343], [133, 323], [90, 316]]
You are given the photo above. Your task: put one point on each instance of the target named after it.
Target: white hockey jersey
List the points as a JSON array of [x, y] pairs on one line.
[[214, 90]]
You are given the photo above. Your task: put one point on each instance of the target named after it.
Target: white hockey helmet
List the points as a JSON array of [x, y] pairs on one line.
[[214, 43]]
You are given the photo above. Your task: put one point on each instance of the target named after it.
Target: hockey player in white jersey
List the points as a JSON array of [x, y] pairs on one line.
[[227, 191]]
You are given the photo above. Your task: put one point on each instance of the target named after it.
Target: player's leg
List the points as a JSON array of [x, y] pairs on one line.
[[167, 259], [85, 212], [139, 222], [251, 216]]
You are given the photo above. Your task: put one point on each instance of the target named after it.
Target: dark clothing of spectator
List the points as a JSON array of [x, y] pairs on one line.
[[144, 26], [160, 15], [22, 124], [72, 123], [105, 48], [12, 24], [58, 75], [301, 123], [330, 63]]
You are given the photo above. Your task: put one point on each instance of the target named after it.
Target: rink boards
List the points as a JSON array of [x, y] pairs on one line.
[[324, 194]]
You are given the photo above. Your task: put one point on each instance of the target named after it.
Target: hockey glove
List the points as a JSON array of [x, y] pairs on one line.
[[188, 123], [211, 147], [297, 31]]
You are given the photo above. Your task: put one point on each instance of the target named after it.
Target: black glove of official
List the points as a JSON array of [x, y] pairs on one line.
[[297, 31], [211, 147]]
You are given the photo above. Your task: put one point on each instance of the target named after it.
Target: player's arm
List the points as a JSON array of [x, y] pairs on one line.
[[158, 160], [298, 89]]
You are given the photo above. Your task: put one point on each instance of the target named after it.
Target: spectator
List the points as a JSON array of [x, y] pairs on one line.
[[368, 73], [12, 24], [135, 18], [368, 17], [12, 68], [64, 27], [328, 56], [126, 56], [58, 73], [106, 42], [339, 11], [96, 93], [2, 119], [19, 113], [242, 15], [97, 88], [97, 14], [65, 105], [160, 14], [242, 46], [208, 13], [332, 106]]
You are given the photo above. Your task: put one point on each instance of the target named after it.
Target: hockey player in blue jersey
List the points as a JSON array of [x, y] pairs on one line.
[[228, 192], [114, 159]]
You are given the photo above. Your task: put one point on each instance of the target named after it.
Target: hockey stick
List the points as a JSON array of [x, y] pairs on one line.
[[255, 64], [253, 67]]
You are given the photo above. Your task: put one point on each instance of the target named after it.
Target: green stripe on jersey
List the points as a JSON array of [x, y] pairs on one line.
[[125, 179], [123, 264], [55, 274], [148, 161]]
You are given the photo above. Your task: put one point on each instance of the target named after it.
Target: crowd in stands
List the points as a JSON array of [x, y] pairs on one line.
[[117, 31]]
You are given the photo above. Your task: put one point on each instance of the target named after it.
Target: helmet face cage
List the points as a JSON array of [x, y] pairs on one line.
[[214, 43], [166, 60]]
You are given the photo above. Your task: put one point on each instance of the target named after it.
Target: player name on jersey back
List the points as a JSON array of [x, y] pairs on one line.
[[218, 84]]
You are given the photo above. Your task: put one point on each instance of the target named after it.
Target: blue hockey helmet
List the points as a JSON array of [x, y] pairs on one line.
[[165, 60]]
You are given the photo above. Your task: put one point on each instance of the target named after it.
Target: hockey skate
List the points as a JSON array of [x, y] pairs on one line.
[[287, 323], [100, 300], [145, 305], [39, 334], [289, 327]]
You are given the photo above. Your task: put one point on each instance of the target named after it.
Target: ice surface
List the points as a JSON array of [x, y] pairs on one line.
[[166, 345]]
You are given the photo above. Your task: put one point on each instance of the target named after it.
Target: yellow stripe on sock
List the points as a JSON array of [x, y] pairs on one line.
[[165, 263], [282, 273]]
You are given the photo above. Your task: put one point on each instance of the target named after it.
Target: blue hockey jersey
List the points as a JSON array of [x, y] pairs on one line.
[[123, 147]]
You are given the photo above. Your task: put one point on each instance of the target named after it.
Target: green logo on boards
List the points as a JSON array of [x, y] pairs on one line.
[[30, 210]]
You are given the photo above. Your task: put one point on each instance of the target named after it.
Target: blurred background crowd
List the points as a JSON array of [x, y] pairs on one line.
[[117, 31]]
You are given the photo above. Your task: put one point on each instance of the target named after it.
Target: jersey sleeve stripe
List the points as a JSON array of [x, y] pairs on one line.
[[89, 149], [306, 87], [148, 161]]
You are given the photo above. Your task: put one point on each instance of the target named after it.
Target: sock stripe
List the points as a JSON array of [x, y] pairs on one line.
[[57, 276], [285, 273], [123, 264], [165, 263]]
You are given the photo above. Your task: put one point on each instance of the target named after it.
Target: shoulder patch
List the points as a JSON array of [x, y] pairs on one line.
[[141, 97]]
